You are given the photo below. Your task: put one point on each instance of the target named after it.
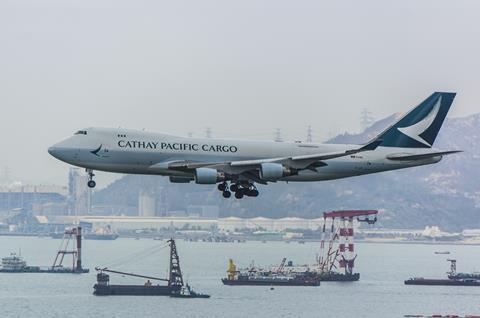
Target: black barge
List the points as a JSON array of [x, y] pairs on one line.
[[454, 278], [172, 286], [442, 282]]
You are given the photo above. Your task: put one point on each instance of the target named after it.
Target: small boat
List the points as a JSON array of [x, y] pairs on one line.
[[13, 263], [442, 252], [187, 292]]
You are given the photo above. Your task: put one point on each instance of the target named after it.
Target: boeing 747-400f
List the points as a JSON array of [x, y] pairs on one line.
[[236, 165]]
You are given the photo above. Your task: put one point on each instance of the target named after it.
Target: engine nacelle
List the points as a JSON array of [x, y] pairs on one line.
[[208, 176], [273, 171], [177, 179]]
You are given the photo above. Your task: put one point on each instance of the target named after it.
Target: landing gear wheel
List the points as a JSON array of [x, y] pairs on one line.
[[90, 183], [239, 194], [222, 186], [227, 194], [234, 188], [253, 193]]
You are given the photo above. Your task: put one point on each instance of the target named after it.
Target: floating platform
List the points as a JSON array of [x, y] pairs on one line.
[[38, 269], [338, 277], [133, 290], [270, 281], [259, 277], [442, 282]]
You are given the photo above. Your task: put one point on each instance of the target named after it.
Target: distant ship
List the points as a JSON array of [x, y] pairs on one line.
[[99, 236], [101, 233]]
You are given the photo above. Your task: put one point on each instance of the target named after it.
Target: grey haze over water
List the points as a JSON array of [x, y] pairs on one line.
[[243, 68]]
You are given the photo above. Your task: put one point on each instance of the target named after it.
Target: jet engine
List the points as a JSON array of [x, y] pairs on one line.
[[208, 176], [273, 171], [176, 179]]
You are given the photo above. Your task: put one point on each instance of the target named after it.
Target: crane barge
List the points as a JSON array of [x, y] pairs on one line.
[[16, 264], [174, 286]]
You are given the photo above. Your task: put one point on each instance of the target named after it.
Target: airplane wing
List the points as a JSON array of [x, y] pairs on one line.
[[410, 157], [243, 166], [303, 161]]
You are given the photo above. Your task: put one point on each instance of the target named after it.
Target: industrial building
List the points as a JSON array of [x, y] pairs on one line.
[[231, 224]]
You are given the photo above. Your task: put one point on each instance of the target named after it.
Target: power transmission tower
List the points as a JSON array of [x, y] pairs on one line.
[[278, 135], [366, 118], [309, 134], [208, 132]]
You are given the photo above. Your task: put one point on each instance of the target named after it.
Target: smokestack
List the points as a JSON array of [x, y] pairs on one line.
[[79, 249]]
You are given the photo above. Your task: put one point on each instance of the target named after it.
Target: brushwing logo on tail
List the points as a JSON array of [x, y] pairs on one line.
[[414, 131]]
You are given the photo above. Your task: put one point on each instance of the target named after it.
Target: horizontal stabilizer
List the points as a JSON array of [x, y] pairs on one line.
[[409, 157], [372, 145]]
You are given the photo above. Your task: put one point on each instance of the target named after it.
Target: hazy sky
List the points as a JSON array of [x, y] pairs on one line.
[[243, 67]]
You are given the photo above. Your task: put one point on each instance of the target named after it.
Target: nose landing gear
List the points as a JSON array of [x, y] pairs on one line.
[[90, 183]]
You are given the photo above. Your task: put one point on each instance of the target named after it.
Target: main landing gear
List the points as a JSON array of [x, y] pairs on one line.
[[240, 190], [90, 183]]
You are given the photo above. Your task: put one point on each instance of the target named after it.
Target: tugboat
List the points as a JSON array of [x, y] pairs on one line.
[[187, 292], [174, 283]]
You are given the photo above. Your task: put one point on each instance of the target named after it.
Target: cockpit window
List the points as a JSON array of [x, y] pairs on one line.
[[81, 132]]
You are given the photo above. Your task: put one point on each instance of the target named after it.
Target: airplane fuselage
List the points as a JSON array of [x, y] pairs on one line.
[[139, 152]]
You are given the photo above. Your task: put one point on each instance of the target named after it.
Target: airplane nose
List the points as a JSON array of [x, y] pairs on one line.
[[53, 151]]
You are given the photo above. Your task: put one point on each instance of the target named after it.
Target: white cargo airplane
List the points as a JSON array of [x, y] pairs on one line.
[[407, 143]]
